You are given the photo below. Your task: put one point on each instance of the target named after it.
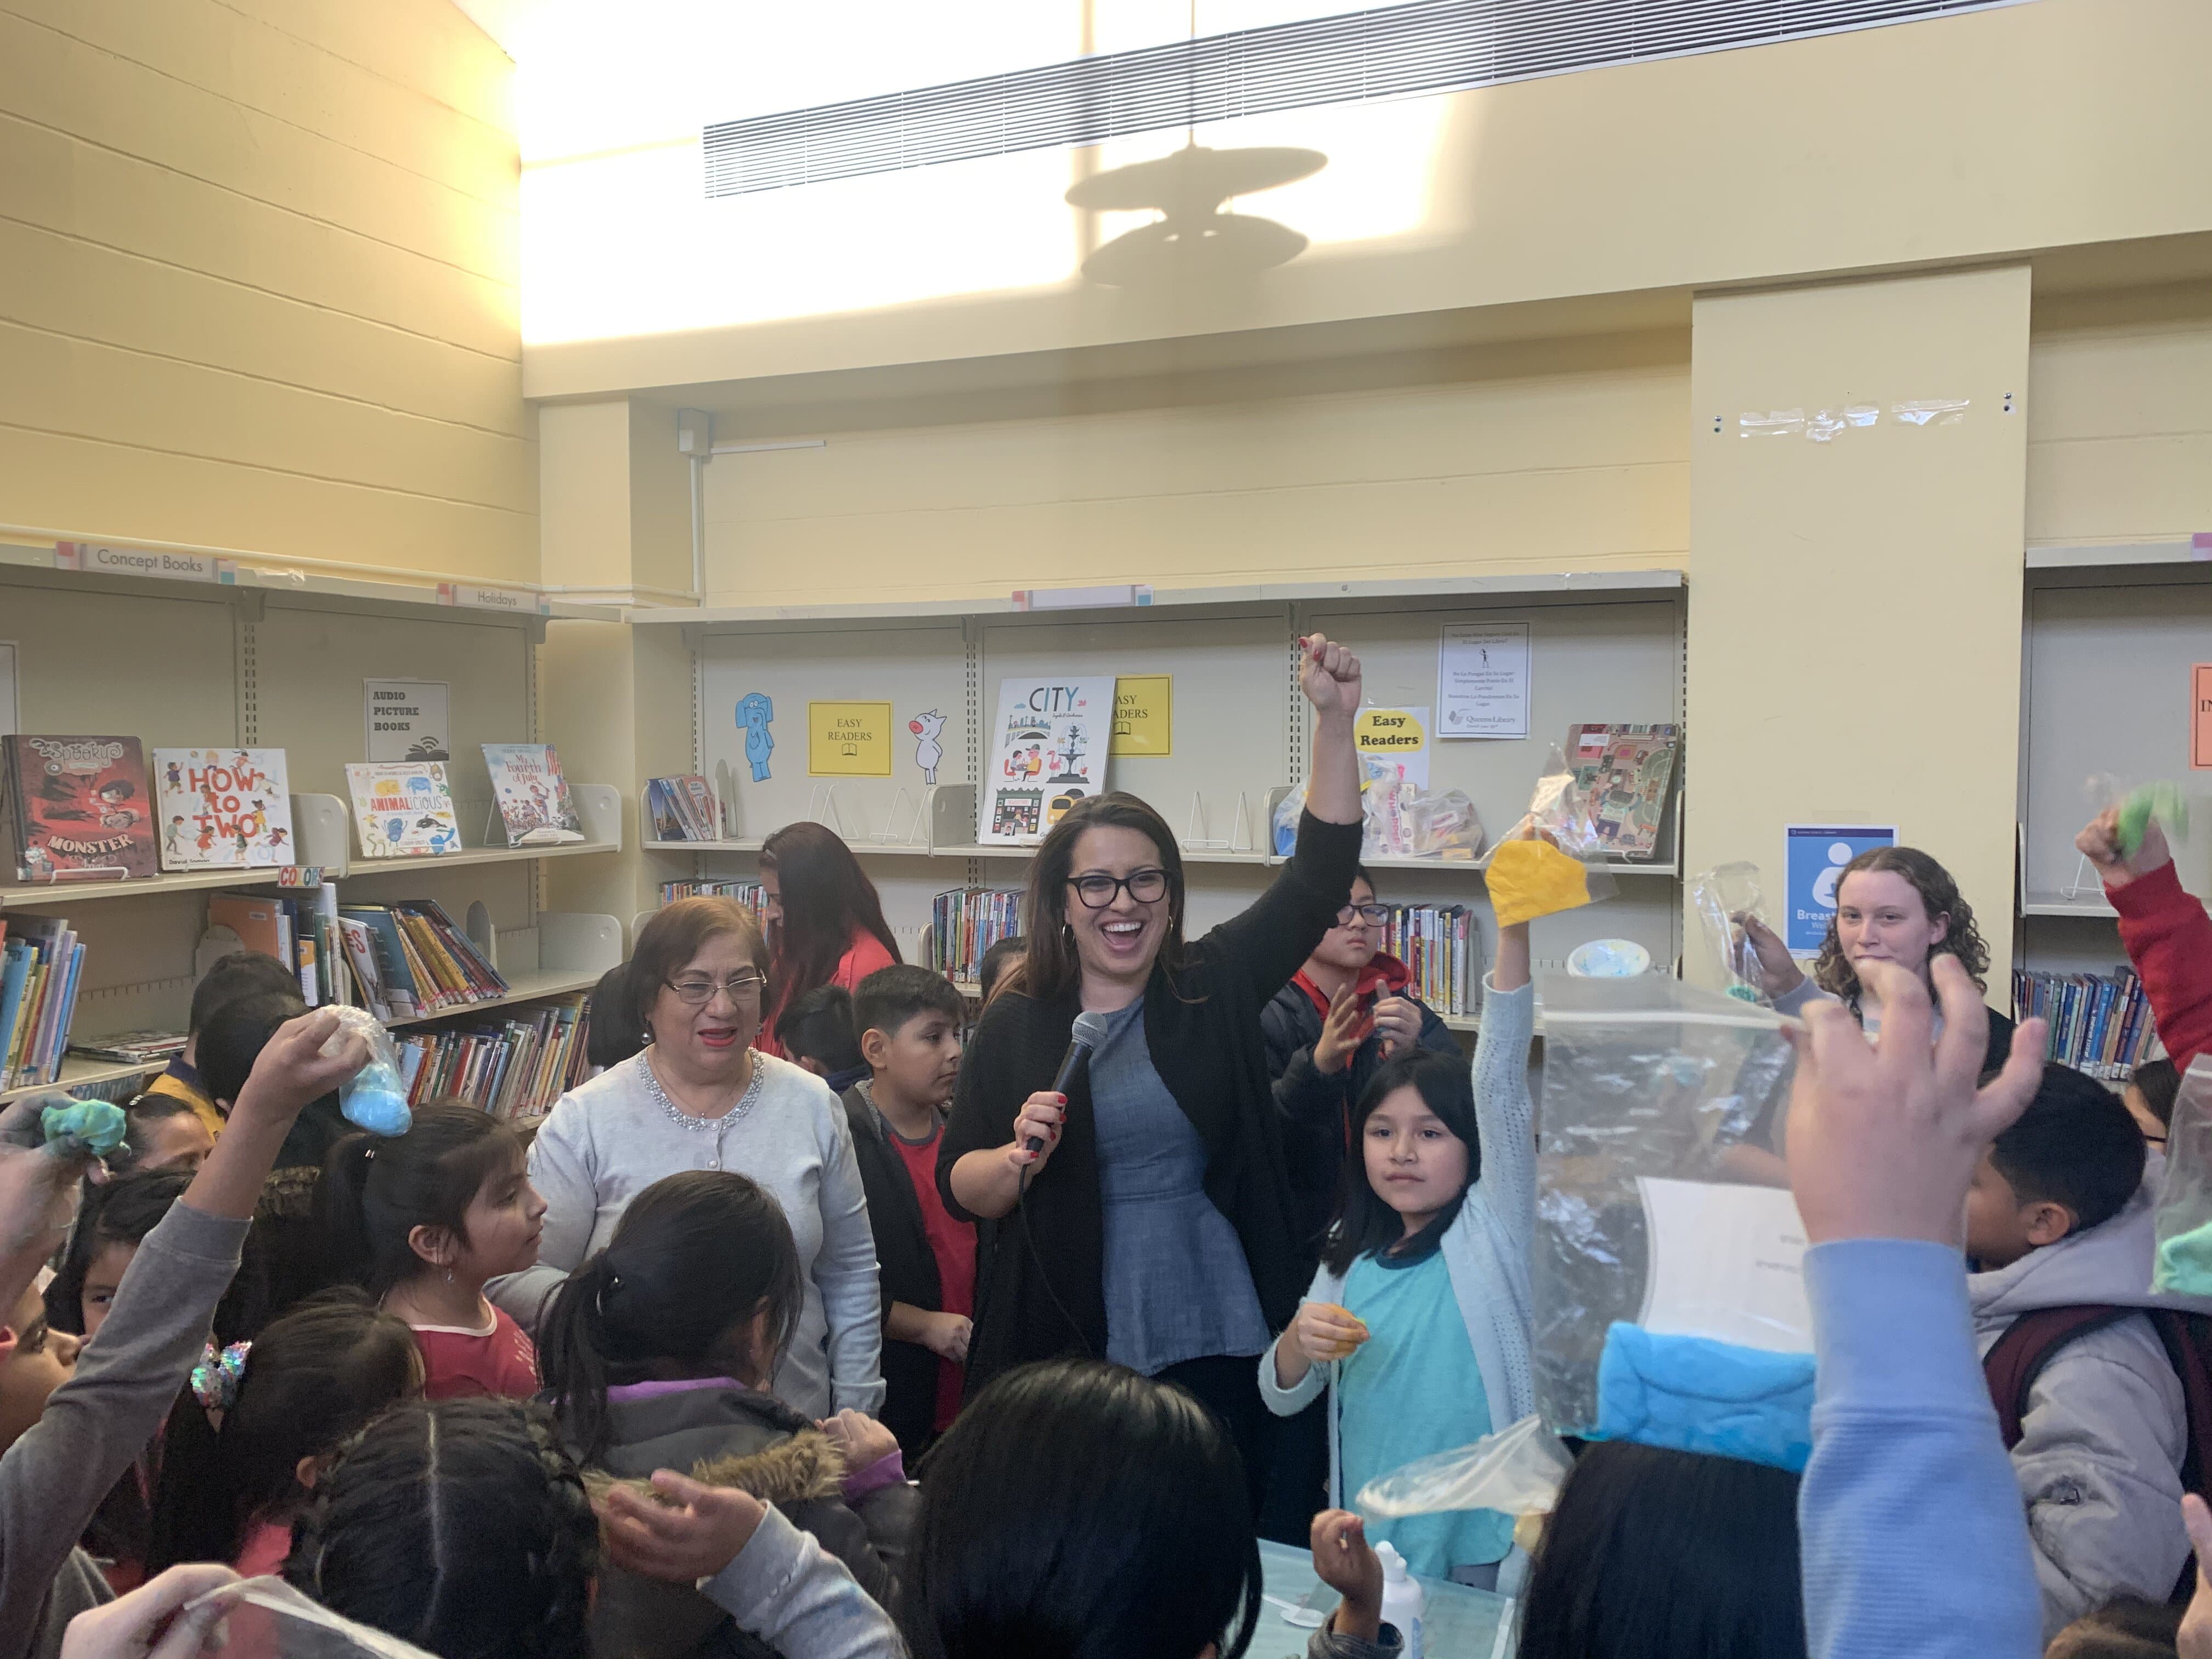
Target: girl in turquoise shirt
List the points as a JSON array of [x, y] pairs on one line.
[[1417, 1322]]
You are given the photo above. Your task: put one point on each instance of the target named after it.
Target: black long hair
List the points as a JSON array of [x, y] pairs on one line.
[[313, 1377], [460, 1526], [1050, 967], [696, 1256], [119, 1211], [376, 1191], [1660, 1554], [1078, 1510], [1364, 1223], [826, 897]]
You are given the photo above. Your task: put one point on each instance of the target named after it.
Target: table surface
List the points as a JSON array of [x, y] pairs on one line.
[[1460, 1623]]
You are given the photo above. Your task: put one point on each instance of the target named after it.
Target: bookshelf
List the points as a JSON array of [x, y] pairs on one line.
[[272, 656], [1607, 646]]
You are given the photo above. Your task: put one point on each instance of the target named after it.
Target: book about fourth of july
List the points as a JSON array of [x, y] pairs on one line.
[[77, 808], [220, 809], [532, 795], [402, 809], [1624, 772], [1048, 751]]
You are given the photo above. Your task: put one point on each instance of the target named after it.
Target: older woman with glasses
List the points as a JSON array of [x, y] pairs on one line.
[[700, 1096], [1144, 1217]]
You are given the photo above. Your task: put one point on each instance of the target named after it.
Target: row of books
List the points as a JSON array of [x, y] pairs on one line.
[[751, 894], [1442, 945], [41, 962], [516, 1069], [966, 923], [408, 960], [2100, 1023], [683, 808], [89, 808]]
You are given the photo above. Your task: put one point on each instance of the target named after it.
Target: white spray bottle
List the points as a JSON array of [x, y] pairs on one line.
[[1403, 1600]]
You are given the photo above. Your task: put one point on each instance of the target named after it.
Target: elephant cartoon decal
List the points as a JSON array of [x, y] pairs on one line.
[[754, 711]]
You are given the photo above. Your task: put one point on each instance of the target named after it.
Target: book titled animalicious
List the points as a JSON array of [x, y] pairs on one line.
[[218, 809], [533, 797], [402, 809], [77, 808]]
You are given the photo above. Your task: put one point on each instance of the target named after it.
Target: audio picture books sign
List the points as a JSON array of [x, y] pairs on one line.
[[407, 720]]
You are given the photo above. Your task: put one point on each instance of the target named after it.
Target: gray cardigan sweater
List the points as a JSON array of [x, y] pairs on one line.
[[607, 1140]]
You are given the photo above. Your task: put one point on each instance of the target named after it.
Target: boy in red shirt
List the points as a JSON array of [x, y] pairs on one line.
[[908, 1023]]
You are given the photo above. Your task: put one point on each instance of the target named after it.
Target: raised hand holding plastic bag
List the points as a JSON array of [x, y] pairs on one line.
[[1561, 868], [375, 1099], [2183, 1263], [1731, 914]]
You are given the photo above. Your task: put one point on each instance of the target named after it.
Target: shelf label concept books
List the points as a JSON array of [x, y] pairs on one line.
[[402, 811], [532, 795], [223, 809], [1048, 751], [78, 808], [1623, 771]]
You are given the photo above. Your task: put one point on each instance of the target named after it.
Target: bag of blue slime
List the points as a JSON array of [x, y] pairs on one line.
[[375, 1098]]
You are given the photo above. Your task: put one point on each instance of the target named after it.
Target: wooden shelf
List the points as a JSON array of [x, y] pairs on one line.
[[522, 987], [1161, 601], [48, 894], [2052, 905], [78, 1071], [361, 867]]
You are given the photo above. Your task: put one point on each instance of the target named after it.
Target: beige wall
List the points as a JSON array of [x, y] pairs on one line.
[[1573, 455], [2119, 428], [259, 283], [2059, 125], [1854, 640]]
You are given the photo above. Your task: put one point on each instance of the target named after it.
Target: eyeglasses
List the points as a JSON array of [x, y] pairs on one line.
[[699, 992], [1147, 886], [1376, 913]]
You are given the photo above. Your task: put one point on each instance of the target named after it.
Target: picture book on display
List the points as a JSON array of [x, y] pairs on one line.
[[402, 809], [683, 808], [77, 808], [532, 795], [1048, 751], [220, 809], [1624, 771]]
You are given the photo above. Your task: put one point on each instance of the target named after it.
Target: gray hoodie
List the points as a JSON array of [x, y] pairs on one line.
[[2101, 1443]]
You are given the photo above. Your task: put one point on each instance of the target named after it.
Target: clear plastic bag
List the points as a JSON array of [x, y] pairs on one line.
[[374, 1098], [2183, 1265], [1518, 1470], [1658, 1202], [1444, 825], [1725, 895], [266, 1617], [1563, 868], [1399, 818]]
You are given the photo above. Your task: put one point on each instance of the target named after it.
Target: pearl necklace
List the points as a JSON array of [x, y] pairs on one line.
[[714, 1126]]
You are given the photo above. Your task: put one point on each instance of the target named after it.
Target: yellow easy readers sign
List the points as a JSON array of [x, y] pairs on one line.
[[1144, 715], [849, 740], [1398, 736]]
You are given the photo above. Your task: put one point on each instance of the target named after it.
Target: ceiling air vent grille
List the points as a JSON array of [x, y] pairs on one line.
[[1385, 51]]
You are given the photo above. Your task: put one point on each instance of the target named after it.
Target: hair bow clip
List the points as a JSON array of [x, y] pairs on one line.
[[217, 1377]]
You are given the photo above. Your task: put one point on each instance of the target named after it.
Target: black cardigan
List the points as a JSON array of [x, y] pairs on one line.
[[1202, 1028], [907, 1270]]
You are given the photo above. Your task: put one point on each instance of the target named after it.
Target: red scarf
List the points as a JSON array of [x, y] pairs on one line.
[[1383, 972]]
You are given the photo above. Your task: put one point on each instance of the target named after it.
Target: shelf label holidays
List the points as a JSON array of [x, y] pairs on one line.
[[494, 599], [112, 559]]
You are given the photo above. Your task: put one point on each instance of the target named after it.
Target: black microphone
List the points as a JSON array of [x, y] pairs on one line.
[[1090, 1031]]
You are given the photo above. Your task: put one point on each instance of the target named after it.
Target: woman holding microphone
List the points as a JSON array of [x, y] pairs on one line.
[[1144, 1217]]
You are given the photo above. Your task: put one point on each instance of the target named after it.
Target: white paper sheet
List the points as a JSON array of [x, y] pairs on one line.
[[1482, 682], [1727, 1262]]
